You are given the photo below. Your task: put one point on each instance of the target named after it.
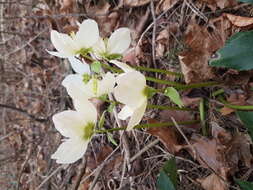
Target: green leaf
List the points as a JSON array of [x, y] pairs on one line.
[[111, 106], [246, 1], [167, 179], [174, 96], [150, 92], [164, 182], [247, 119], [96, 67], [237, 53], [101, 120], [111, 139], [244, 185]]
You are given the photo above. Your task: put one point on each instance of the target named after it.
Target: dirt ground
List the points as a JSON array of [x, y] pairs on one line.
[[31, 92]]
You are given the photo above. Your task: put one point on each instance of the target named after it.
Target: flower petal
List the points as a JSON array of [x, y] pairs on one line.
[[78, 66], [87, 110], [57, 54], [130, 89], [126, 68], [70, 151], [63, 43], [119, 41], [107, 84], [125, 113], [76, 88], [69, 123], [137, 116], [88, 34], [99, 48]]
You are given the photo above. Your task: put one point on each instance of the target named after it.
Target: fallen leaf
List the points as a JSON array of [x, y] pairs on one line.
[[164, 5], [135, 3], [213, 182], [239, 21], [214, 4], [201, 45], [169, 137]]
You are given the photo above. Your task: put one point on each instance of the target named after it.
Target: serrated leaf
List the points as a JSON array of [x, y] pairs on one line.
[[164, 182], [96, 67], [247, 119], [237, 53], [246, 1], [174, 96], [244, 185]]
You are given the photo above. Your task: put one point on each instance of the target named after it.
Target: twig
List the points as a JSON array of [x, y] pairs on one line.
[[53, 173], [153, 33], [6, 136], [185, 138], [144, 149], [24, 112]]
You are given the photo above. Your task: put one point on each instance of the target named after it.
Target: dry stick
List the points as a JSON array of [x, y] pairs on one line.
[[53, 173], [185, 138], [150, 145], [153, 33], [196, 10], [24, 112]]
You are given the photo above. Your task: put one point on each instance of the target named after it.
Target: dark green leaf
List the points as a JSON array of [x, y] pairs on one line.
[[247, 119], [237, 53], [245, 185], [170, 168], [164, 182], [246, 1]]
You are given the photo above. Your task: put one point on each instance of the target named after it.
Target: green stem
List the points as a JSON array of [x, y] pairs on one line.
[[150, 125], [237, 107], [152, 106], [171, 83], [158, 71], [198, 85], [217, 92], [202, 117]]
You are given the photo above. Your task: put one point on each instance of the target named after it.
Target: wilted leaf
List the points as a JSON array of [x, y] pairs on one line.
[[135, 3], [174, 96], [245, 185], [164, 182], [247, 119], [201, 44], [169, 137], [164, 5], [214, 4], [239, 21], [213, 182], [237, 53]]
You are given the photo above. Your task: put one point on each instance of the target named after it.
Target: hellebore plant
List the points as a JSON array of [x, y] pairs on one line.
[[78, 127]]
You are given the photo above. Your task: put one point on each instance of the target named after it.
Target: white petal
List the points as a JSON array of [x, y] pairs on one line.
[[70, 151], [126, 68], [76, 88], [125, 113], [99, 48], [63, 43], [119, 41], [130, 89], [79, 66], [107, 84], [57, 54], [86, 109], [137, 116], [69, 123], [88, 34]]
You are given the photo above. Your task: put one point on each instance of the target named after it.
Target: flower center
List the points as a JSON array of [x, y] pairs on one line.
[[88, 131]]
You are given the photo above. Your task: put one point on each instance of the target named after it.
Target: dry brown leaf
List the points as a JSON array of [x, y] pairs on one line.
[[239, 21], [169, 137], [162, 41], [235, 99], [194, 61], [164, 5], [135, 3], [213, 182], [214, 4]]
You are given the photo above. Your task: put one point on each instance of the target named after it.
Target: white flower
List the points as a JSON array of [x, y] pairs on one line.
[[79, 66], [78, 89], [68, 46], [118, 43], [77, 127], [131, 91]]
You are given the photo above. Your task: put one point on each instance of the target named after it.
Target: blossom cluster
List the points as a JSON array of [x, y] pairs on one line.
[[128, 88]]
